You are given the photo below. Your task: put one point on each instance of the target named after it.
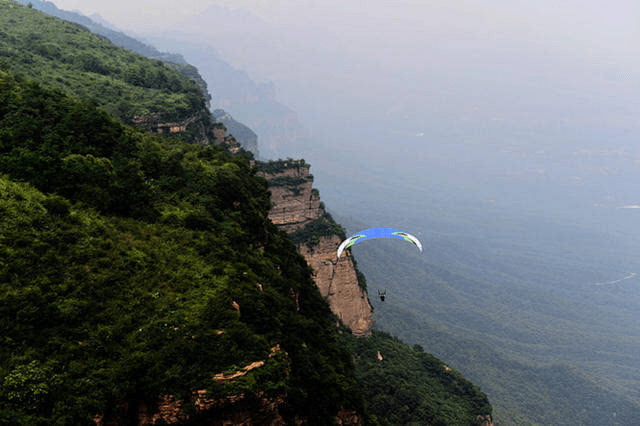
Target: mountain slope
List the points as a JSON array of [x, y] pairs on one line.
[[174, 61], [116, 37], [66, 57], [404, 385], [105, 303], [245, 136]]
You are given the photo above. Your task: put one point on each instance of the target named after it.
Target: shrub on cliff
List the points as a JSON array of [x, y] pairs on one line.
[[324, 226], [278, 166]]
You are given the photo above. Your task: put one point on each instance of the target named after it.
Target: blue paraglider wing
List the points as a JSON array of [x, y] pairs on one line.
[[371, 233]]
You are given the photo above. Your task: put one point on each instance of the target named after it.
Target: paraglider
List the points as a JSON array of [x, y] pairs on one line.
[[371, 233], [382, 294]]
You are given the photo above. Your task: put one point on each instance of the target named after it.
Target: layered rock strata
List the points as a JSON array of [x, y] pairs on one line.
[[338, 282], [295, 205]]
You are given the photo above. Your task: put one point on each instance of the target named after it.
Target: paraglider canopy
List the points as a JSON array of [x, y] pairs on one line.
[[371, 233]]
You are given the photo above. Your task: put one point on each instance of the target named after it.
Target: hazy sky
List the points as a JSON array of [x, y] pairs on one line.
[[406, 39], [612, 25], [500, 73]]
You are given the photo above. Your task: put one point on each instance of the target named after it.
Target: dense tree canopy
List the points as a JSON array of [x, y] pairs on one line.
[[405, 385], [67, 57], [133, 265]]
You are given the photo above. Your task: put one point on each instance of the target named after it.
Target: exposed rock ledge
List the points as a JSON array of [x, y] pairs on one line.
[[338, 282], [297, 204], [161, 123]]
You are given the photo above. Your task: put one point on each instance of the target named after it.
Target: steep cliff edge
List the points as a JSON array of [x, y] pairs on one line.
[[297, 209], [338, 283], [243, 134], [295, 203], [195, 126]]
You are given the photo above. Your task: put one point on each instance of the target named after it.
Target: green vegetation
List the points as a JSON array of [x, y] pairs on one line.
[[279, 166], [409, 386], [289, 181], [67, 57], [174, 61], [122, 255], [324, 226]]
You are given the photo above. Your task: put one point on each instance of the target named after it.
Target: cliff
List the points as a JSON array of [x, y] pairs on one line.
[[243, 134], [295, 203], [196, 124], [151, 271], [297, 209], [338, 283]]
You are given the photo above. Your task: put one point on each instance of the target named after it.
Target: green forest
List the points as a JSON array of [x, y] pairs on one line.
[[122, 260], [405, 385], [65, 56], [135, 265]]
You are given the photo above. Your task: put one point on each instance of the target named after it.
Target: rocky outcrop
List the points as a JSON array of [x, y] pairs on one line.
[[201, 408], [233, 410], [243, 134], [198, 124], [338, 282], [220, 137], [295, 202], [296, 205], [485, 420], [348, 418]]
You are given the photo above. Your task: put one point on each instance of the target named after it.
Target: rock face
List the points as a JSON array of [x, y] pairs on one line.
[[338, 282], [295, 203], [234, 410], [243, 134], [295, 206], [197, 123], [220, 137], [240, 410]]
